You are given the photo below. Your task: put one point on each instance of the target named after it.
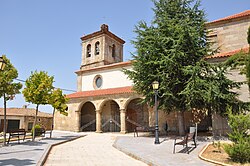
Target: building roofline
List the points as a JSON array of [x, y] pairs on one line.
[[101, 92], [245, 13], [228, 54], [111, 66], [104, 30], [29, 112]]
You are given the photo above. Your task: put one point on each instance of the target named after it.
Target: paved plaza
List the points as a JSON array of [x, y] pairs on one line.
[[94, 149]]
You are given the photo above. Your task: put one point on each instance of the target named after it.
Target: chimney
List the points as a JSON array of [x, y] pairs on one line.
[[25, 106]]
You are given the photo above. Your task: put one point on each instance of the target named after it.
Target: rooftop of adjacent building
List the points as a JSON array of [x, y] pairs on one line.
[[231, 17], [228, 54], [23, 112]]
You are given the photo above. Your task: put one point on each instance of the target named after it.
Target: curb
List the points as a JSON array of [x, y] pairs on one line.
[[149, 163], [48, 149], [209, 160]]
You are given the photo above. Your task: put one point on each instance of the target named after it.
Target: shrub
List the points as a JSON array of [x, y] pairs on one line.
[[37, 126], [240, 149]]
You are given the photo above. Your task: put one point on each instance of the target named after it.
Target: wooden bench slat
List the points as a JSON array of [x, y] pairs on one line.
[[143, 129], [189, 137], [16, 133]]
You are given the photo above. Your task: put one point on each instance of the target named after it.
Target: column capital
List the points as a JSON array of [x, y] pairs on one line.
[[122, 110], [98, 111]]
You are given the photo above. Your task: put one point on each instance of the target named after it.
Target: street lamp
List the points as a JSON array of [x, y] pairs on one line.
[[155, 86], [2, 64]]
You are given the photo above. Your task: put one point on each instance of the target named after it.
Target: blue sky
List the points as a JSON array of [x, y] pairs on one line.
[[45, 34]]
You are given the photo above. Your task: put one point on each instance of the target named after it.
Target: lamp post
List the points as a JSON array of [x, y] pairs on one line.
[[2, 66], [155, 86]]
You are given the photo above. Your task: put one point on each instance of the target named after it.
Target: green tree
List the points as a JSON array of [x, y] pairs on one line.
[[38, 91], [8, 87], [58, 101], [209, 88], [239, 150], [175, 40]]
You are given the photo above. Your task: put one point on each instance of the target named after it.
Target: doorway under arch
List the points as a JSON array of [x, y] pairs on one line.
[[88, 117], [136, 115], [111, 117]]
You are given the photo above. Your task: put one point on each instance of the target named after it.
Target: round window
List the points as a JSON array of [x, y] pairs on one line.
[[98, 81]]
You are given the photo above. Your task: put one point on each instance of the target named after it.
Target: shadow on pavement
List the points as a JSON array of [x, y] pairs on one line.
[[20, 151], [61, 138], [16, 162], [185, 150]]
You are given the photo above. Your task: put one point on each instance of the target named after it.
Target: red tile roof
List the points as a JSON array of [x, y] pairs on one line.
[[228, 54], [238, 15], [101, 92], [23, 112]]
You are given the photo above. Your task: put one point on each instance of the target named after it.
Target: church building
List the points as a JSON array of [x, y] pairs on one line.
[[105, 100]]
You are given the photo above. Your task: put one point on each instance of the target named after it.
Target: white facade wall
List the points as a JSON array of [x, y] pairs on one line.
[[112, 78]]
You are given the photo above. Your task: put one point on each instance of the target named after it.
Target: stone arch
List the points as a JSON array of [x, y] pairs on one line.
[[88, 53], [87, 116], [97, 48], [125, 105], [110, 111], [136, 114], [103, 102]]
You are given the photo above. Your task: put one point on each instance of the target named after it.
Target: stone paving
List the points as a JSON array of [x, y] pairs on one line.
[[95, 149], [92, 150], [32, 153], [143, 148]]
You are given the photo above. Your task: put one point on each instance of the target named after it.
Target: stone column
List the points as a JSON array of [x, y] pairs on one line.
[[98, 121], [123, 121], [78, 121]]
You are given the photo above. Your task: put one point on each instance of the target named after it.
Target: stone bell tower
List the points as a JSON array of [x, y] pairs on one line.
[[101, 48]]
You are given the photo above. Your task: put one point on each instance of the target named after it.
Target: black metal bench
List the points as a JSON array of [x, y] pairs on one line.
[[143, 129], [17, 133], [184, 142]]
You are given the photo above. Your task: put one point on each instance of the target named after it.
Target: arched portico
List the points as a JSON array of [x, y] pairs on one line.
[[88, 117], [110, 116], [136, 114]]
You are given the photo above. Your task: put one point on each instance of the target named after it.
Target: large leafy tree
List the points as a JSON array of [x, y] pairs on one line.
[[58, 101], [209, 88], [38, 91], [171, 50], [176, 39], [8, 87]]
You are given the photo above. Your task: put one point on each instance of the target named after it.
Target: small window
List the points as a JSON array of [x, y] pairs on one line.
[[98, 82], [97, 48], [88, 50], [30, 125], [113, 50]]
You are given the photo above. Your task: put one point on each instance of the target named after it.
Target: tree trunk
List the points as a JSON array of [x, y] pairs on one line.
[[4, 122], [180, 116], [34, 124], [52, 123]]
